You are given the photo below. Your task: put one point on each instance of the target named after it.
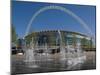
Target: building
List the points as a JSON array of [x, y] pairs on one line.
[[52, 40]]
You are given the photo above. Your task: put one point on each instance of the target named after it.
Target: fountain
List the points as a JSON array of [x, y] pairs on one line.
[[79, 56], [46, 51], [62, 50], [71, 58], [29, 56]]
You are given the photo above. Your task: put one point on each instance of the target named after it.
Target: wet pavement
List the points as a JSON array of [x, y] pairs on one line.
[[20, 67]]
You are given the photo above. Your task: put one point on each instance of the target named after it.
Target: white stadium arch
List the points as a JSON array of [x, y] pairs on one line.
[[82, 23]]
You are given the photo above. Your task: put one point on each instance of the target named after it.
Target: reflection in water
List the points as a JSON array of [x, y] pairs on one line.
[[20, 67]]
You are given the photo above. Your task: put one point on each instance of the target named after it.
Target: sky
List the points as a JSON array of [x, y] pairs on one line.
[[22, 13]]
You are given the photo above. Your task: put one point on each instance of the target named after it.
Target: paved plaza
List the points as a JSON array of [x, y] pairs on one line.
[[20, 67]]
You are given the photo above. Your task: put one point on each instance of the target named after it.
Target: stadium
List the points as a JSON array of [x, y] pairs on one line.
[[54, 39]]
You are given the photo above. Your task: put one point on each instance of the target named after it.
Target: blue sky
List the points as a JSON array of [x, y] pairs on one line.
[[22, 12]]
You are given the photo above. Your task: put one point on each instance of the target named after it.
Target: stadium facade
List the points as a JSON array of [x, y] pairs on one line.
[[51, 40]]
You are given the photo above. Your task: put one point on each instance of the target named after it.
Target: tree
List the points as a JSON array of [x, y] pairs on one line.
[[14, 35]]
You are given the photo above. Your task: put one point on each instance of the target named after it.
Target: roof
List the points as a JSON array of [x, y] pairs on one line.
[[77, 33]]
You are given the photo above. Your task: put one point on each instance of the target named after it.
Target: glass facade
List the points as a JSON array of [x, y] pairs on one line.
[[52, 38]]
